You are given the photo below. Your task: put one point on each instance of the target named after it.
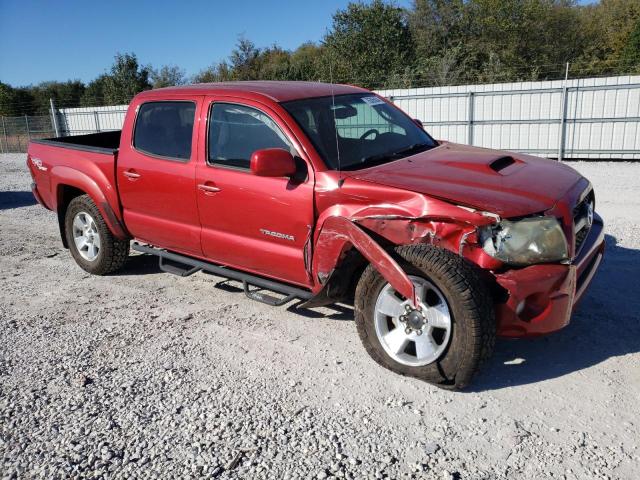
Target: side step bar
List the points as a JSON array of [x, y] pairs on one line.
[[175, 268], [184, 266]]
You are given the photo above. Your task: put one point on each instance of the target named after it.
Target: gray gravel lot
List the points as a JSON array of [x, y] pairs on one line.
[[144, 374]]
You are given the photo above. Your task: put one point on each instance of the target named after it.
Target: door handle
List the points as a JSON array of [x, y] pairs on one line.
[[208, 188], [131, 174]]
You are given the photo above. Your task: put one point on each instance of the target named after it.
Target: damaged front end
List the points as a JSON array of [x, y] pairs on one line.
[[351, 235], [529, 261]]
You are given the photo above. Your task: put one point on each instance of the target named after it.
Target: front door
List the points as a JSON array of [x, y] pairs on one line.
[[258, 224], [156, 175]]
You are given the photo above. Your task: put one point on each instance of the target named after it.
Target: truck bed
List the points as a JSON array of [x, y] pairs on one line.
[[103, 142], [82, 162]]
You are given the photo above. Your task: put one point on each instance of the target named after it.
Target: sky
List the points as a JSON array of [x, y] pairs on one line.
[[70, 39]]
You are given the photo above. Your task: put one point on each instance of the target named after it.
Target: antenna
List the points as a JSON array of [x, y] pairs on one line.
[[335, 126]]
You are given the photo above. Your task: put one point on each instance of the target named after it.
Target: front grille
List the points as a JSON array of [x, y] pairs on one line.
[[580, 238], [585, 273], [583, 218]]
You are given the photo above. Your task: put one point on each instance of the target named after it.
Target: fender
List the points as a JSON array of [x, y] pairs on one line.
[[62, 175], [337, 235]]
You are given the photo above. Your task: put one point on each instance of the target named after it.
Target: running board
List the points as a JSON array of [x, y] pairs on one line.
[[184, 266], [265, 298], [176, 268]]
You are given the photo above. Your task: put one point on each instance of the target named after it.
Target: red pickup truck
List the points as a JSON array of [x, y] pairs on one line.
[[329, 193]]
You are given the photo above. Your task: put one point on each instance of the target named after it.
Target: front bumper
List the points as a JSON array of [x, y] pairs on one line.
[[541, 298]]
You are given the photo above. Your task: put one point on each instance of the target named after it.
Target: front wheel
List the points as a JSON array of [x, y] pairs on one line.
[[444, 342]]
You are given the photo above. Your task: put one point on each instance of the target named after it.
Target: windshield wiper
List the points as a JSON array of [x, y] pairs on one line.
[[404, 152], [415, 148]]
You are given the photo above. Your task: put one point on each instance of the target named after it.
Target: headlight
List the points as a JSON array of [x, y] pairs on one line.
[[525, 242]]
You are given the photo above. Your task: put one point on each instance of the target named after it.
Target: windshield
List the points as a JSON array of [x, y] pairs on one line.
[[362, 128]]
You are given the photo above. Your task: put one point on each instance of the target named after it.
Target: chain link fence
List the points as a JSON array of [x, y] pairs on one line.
[[16, 132]]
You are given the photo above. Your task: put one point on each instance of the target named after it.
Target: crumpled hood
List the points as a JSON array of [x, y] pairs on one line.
[[505, 183]]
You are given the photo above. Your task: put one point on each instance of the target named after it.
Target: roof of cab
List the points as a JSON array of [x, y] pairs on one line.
[[278, 91]]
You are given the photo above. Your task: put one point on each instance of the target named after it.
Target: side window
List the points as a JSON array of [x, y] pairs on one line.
[[165, 129], [236, 131]]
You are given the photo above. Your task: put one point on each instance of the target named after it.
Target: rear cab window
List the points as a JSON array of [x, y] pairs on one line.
[[165, 129], [236, 131]]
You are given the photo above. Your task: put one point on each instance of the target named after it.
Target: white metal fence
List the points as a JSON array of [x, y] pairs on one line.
[[581, 118], [77, 121]]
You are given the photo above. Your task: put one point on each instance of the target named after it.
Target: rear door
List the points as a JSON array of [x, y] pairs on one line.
[[258, 224], [156, 174]]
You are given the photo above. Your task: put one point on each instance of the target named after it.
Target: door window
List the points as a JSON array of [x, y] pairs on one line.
[[165, 129], [236, 131]]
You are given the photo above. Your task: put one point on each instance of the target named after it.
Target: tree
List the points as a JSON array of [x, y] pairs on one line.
[[630, 55], [6, 99], [167, 76], [220, 72], [367, 44], [510, 40], [273, 63], [305, 62], [94, 93], [437, 26], [244, 60], [244, 63], [608, 26], [125, 80], [17, 101], [64, 94]]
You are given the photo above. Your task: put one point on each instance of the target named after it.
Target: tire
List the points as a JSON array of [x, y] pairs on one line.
[[467, 337], [107, 253]]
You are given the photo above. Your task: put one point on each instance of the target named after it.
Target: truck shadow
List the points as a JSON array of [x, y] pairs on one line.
[[14, 199], [606, 324], [332, 312], [143, 264], [139, 265]]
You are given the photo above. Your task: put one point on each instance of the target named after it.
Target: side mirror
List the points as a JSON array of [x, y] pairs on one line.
[[273, 162], [418, 122]]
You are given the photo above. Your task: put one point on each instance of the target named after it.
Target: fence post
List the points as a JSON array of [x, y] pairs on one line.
[[54, 118], [563, 117], [95, 115], [26, 123], [6, 141], [563, 124], [470, 119]]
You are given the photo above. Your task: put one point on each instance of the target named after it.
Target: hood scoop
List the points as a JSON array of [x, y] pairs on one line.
[[489, 165], [501, 163]]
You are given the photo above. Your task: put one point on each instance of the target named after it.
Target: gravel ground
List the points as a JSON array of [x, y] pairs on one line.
[[144, 374]]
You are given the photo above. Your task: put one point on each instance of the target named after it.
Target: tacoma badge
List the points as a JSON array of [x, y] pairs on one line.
[[284, 236]]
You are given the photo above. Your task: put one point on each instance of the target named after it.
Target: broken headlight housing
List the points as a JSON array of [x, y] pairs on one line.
[[526, 242]]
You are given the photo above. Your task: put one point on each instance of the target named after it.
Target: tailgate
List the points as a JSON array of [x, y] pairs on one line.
[[41, 185]]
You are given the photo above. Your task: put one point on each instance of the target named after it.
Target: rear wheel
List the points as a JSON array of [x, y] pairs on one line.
[[445, 341], [94, 248]]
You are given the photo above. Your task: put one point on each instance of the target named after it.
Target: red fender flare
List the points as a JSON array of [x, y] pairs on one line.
[[62, 175], [338, 234]]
